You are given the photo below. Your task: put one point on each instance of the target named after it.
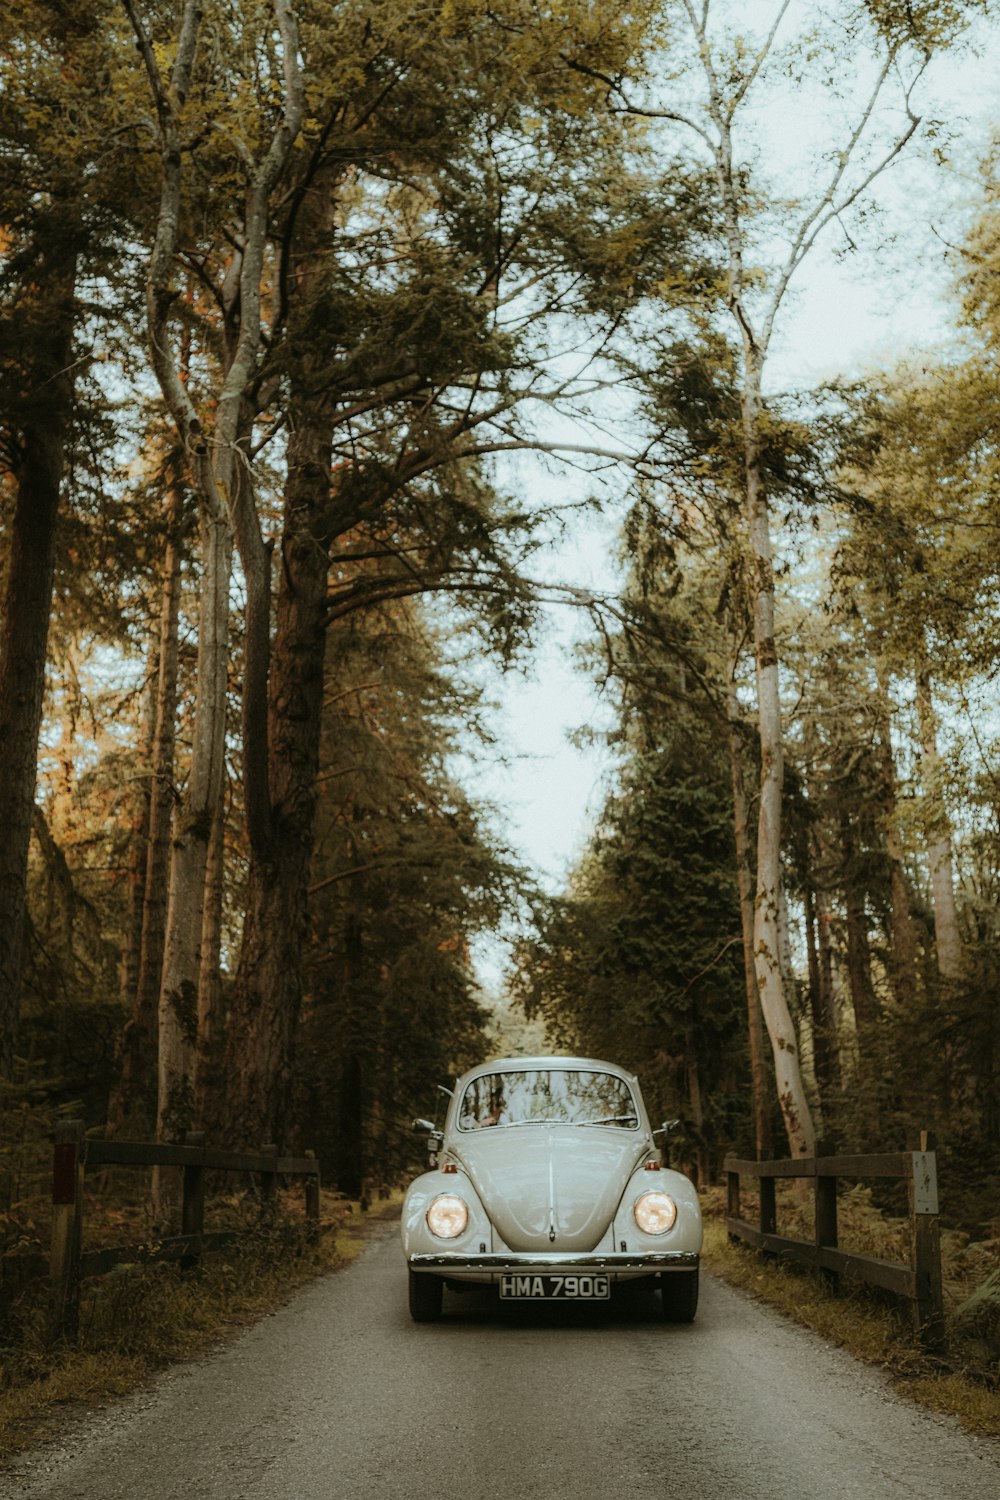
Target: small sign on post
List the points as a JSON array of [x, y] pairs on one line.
[[928, 1302], [919, 1281]]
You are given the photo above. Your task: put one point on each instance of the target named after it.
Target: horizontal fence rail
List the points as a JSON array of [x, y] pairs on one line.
[[919, 1282], [74, 1154]]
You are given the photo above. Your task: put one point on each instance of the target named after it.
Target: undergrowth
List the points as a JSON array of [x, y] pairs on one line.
[[139, 1318], [963, 1381]]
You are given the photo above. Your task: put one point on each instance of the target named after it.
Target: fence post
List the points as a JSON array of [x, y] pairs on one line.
[[826, 1215], [269, 1183], [768, 1206], [193, 1197], [67, 1227], [928, 1304], [733, 1200], [312, 1194]]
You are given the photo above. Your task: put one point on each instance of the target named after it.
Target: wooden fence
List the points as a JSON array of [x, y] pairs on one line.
[[919, 1281], [74, 1154]]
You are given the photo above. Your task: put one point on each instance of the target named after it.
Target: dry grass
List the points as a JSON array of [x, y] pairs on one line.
[[139, 1318], [965, 1383]]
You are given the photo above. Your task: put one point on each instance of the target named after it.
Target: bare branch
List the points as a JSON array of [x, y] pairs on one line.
[[829, 205], [616, 88], [159, 289], [761, 57]]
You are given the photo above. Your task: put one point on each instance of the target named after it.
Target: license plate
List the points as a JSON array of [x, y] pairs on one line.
[[555, 1288]]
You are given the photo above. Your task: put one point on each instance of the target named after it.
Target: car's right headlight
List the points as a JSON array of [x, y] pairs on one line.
[[447, 1216]]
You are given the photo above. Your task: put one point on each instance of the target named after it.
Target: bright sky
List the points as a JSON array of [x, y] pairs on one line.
[[846, 315]]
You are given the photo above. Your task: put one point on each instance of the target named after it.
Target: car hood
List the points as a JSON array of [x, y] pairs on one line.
[[550, 1187]]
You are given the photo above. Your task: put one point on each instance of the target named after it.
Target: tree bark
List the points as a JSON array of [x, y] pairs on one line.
[[267, 986], [826, 1054], [178, 1000], [139, 833], [133, 1103], [827, 994], [940, 857], [697, 1119], [763, 1138], [207, 1059], [218, 468], [40, 463], [754, 319], [904, 944], [769, 897], [859, 964]]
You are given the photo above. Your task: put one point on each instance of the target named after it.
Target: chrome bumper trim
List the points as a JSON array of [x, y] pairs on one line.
[[552, 1260]]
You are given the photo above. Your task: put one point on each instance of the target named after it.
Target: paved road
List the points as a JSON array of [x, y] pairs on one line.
[[340, 1395]]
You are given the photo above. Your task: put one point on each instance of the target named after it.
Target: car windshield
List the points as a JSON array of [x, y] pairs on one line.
[[548, 1096]]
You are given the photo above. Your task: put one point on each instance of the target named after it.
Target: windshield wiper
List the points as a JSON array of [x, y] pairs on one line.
[[611, 1120]]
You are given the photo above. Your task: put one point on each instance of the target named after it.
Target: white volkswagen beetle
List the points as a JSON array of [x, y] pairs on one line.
[[545, 1183]]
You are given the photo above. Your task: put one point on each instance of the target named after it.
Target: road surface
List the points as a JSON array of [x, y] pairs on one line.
[[340, 1395]]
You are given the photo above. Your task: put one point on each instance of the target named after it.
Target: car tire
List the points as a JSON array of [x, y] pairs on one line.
[[425, 1297], [679, 1296]]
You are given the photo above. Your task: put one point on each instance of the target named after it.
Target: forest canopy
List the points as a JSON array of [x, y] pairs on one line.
[[321, 328]]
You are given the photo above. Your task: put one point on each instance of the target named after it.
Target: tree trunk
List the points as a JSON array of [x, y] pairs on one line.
[[133, 1104], [938, 834], [827, 994], [767, 913], [903, 969], [754, 301], [697, 1119], [218, 475], [763, 1138], [140, 794], [178, 1003], [40, 464], [826, 1055], [207, 1058], [267, 986], [859, 964]]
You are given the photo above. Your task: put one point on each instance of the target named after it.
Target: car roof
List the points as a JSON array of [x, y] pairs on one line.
[[543, 1060]]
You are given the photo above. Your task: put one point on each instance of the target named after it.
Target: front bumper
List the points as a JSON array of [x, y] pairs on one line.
[[462, 1264]]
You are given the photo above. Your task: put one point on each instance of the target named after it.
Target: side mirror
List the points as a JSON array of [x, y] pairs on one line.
[[664, 1130], [435, 1139]]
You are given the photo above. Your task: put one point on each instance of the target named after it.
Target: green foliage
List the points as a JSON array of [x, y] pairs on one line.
[[641, 959], [404, 876], [27, 1118], [914, 580], [138, 1318], [922, 466], [471, 209], [928, 24]]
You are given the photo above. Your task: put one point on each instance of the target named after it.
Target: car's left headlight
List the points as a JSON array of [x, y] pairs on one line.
[[447, 1216], [655, 1213]]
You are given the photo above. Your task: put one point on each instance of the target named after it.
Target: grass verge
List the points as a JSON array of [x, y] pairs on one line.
[[860, 1321], [138, 1319]]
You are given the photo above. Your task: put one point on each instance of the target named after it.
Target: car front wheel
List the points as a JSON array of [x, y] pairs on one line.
[[425, 1297], [679, 1296]]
